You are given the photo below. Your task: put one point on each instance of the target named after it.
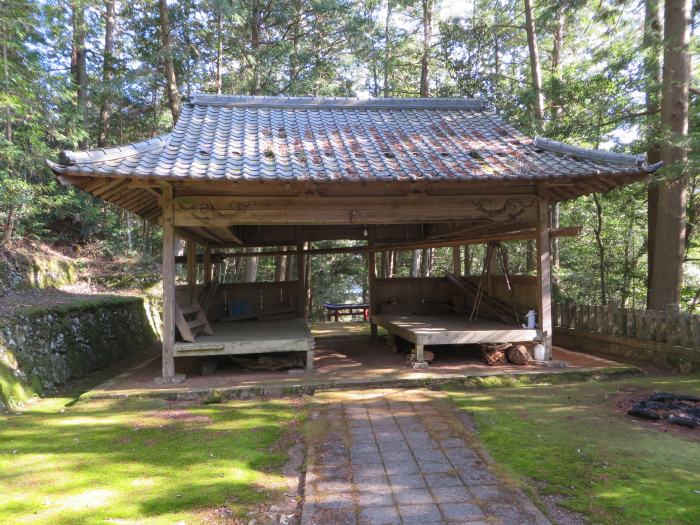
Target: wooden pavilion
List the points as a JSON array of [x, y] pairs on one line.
[[398, 174]]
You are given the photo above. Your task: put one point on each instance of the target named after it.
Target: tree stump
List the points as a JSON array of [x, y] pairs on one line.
[[494, 354], [518, 355]]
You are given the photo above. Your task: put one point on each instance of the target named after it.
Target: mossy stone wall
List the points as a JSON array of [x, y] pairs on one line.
[[20, 271], [43, 348]]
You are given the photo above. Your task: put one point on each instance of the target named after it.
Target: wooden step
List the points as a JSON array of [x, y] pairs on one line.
[[190, 328], [194, 323], [188, 310]]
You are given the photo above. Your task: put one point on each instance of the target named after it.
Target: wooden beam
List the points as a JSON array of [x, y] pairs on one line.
[[571, 231], [544, 275], [411, 209]]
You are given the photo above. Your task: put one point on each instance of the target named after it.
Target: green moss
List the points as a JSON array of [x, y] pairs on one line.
[[578, 442], [13, 391], [141, 461]]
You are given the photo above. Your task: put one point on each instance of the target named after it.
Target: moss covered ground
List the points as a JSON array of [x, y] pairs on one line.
[[141, 461], [576, 441]]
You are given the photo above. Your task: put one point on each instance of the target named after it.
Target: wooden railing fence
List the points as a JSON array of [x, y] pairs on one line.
[[671, 327]]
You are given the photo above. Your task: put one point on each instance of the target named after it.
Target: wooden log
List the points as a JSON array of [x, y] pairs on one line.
[[518, 355], [494, 354]]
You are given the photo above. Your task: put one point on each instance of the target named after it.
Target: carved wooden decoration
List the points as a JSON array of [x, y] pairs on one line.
[[226, 211]]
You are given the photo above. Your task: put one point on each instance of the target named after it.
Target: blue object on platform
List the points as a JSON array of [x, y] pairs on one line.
[[238, 307]]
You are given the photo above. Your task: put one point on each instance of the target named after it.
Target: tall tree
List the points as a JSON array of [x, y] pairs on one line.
[[78, 66], [107, 74], [669, 241], [652, 47], [168, 60], [535, 68], [427, 8], [387, 47]]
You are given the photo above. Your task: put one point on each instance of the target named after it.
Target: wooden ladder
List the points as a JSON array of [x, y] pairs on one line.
[[191, 321]]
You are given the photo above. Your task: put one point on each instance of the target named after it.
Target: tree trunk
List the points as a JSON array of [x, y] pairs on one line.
[[107, 74], [9, 227], [281, 265], [601, 248], [535, 69], [251, 266], [425, 55], [652, 44], [255, 45], [289, 272], [457, 260], [670, 222], [78, 65], [557, 47], [219, 52], [427, 266], [6, 81], [387, 47], [467, 260], [416, 263], [168, 62], [530, 257]]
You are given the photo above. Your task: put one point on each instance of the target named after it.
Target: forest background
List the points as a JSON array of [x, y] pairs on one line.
[[82, 74]]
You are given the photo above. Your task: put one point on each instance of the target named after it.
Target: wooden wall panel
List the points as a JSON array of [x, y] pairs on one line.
[[415, 290]]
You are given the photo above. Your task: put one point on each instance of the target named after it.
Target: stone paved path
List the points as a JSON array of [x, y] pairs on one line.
[[401, 457]]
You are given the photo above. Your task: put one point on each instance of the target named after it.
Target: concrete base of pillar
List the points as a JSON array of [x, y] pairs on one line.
[[175, 379]]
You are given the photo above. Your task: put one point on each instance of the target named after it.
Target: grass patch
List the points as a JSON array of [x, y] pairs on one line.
[[584, 447], [140, 460]]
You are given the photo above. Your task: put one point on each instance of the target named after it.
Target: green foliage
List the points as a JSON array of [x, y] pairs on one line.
[[594, 97]]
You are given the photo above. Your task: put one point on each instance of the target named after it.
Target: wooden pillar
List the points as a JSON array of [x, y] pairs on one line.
[[544, 275], [207, 266], [372, 274], [191, 250], [168, 371], [301, 281]]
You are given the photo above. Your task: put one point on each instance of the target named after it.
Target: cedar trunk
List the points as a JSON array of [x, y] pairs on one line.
[[168, 63], [107, 74], [535, 69], [652, 43], [669, 246]]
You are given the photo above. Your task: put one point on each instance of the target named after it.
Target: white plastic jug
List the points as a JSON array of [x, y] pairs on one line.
[[538, 350]]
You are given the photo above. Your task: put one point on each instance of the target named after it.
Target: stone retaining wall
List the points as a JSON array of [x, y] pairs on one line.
[[684, 360], [43, 348]]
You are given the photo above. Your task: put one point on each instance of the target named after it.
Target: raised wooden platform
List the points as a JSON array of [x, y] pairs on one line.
[[252, 337], [422, 330]]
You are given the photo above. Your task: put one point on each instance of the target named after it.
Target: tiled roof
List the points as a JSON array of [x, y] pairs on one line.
[[323, 140]]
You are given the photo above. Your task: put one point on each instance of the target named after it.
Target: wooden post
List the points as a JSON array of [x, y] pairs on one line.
[[372, 274], [544, 275], [419, 361], [207, 266], [168, 373], [301, 281]]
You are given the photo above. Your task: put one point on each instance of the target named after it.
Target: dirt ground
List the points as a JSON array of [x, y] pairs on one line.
[[341, 356]]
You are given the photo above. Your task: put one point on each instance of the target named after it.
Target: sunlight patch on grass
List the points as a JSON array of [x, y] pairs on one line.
[[139, 461]]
